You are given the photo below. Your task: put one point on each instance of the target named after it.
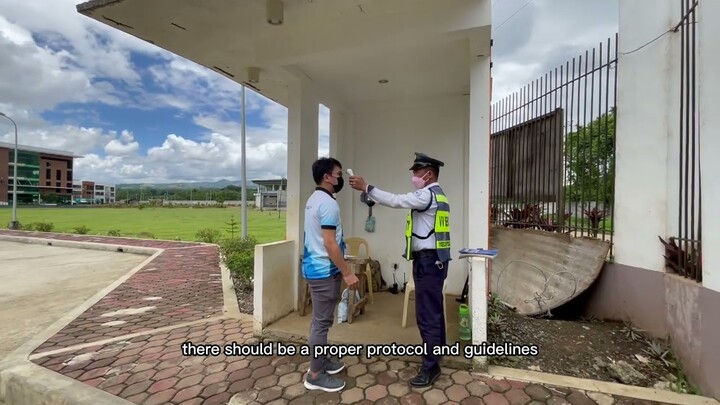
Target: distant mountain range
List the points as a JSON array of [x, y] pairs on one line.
[[188, 185]]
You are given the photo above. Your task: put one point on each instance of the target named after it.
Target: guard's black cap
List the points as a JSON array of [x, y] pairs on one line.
[[423, 160]]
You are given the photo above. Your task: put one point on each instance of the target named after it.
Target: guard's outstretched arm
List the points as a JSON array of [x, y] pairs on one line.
[[418, 200]]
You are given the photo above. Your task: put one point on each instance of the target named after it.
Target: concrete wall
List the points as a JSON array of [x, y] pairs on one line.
[[709, 49], [646, 133], [274, 295], [386, 137], [664, 305], [637, 287]]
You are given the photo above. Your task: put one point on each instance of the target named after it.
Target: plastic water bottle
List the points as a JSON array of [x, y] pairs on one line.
[[464, 332]]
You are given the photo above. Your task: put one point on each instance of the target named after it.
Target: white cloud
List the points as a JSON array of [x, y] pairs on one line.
[[66, 57], [544, 35], [125, 145]]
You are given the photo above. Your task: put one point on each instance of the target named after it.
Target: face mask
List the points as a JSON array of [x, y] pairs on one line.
[[418, 182], [340, 183]]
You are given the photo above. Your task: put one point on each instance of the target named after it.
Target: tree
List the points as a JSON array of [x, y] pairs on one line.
[[590, 161]]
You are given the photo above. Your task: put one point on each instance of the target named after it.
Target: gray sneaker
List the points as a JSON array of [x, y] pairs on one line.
[[333, 367], [324, 382]]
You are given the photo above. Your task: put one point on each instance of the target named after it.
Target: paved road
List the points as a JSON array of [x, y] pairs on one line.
[[41, 283]]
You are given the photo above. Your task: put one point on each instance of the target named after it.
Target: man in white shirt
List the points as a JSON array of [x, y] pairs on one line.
[[324, 268], [427, 244]]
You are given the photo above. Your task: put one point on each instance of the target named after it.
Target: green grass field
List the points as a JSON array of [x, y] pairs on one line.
[[163, 223]]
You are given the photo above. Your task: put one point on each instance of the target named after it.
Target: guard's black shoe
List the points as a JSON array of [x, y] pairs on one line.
[[425, 378]]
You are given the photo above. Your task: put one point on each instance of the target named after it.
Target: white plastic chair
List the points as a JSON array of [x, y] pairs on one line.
[[410, 287]]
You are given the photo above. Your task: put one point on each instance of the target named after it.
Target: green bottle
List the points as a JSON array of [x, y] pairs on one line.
[[464, 332]]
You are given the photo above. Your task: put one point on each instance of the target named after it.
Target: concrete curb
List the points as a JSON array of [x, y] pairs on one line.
[[604, 387], [81, 245], [230, 306], [29, 383]]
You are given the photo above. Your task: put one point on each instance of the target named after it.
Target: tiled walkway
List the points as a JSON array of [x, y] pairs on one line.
[[116, 346]]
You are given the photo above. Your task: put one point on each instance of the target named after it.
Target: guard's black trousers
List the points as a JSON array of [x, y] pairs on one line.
[[429, 280]]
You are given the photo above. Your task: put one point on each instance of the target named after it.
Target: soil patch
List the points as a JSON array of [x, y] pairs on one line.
[[244, 297], [599, 350]]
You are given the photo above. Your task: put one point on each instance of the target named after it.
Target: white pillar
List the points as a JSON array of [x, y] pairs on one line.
[[478, 194], [708, 59], [302, 152], [646, 134], [341, 150]]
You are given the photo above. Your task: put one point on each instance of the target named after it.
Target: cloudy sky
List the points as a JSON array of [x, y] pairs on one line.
[[131, 108]]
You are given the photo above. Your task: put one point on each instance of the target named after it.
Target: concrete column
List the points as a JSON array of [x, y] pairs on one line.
[[709, 59], [478, 199], [302, 152], [341, 149], [646, 134]]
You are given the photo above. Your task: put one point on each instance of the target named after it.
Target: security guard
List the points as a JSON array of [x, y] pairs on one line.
[[427, 244]]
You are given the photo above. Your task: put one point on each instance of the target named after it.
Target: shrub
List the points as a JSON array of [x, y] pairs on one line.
[[146, 235], [43, 226], [208, 235], [114, 232], [242, 267], [239, 257], [82, 230], [234, 245], [27, 227]]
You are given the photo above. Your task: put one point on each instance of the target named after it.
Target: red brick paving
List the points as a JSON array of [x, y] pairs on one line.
[[190, 289], [151, 368]]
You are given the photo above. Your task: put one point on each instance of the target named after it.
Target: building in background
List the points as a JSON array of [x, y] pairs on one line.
[[90, 192], [43, 175], [271, 194]]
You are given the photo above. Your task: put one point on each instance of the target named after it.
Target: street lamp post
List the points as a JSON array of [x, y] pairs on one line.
[[243, 191], [14, 223]]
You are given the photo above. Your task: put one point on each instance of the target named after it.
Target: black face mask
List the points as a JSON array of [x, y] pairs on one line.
[[337, 187]]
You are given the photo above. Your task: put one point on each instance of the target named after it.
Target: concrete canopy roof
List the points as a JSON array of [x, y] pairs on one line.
[[344, 47]]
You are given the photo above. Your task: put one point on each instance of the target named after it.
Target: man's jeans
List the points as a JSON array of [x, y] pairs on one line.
[[325, 294]]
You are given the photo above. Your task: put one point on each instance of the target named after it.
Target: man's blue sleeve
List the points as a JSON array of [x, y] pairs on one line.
[[329, 215]]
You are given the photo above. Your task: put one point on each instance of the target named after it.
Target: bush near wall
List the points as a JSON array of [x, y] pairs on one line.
[[239, 256]]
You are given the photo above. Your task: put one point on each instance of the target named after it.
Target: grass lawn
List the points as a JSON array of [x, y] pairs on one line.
[[163, 223]]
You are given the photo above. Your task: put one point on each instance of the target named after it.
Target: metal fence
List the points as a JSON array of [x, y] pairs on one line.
[[553, 149], [683, 254]]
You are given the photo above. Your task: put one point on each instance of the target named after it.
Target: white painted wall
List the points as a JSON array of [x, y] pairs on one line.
[[648, 129], [386, 137], [274, 297], [644, 131], [709, 48]]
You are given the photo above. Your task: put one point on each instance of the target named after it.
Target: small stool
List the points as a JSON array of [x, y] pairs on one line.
[[357, 266]]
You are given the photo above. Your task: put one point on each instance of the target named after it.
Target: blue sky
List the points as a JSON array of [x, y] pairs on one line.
[[140, 114]]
